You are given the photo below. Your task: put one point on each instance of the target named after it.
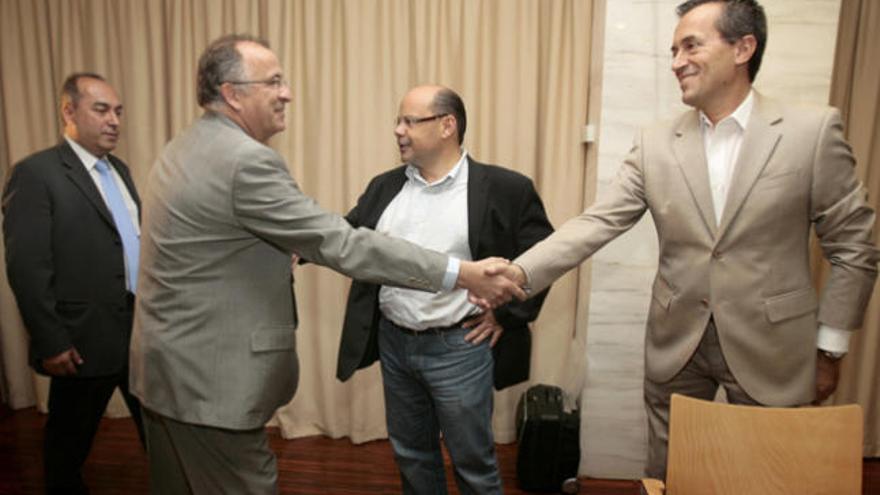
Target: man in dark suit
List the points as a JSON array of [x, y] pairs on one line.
[[71, 231], [437, 349]]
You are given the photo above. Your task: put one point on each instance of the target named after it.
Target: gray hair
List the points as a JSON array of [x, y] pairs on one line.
[[220, 62]]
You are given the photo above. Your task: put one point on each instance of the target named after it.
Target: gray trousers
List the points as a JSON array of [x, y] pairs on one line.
[[189, 459], [702, 375]]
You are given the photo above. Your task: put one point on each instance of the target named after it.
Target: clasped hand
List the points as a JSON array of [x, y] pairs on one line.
[[491, 282]]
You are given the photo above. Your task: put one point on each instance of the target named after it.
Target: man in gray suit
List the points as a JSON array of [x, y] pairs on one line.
[[734, 187], [213, 348]]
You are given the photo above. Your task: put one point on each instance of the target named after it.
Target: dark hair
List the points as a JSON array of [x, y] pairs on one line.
[[220, 62], [70, 86], [448, 101], [739, 18]]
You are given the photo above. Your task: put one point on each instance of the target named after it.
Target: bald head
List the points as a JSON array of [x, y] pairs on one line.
[[440, 100], [430, 126]]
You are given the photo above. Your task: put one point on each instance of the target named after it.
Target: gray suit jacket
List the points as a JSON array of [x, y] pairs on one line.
[[752, 271], [213, 340]]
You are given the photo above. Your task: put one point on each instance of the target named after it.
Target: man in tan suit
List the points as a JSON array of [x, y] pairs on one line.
[[734, 187], [213, 350]]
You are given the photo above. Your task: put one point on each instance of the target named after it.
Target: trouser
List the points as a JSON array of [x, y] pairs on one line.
[[76, 406], [702, 375], [436, 382], [194, 459]]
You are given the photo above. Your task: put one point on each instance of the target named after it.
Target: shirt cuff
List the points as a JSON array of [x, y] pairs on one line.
[[833, 339], [527, 286], [451, 276]]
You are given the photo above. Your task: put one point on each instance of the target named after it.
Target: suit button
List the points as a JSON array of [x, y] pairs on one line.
[[704, 302], [716, 255]]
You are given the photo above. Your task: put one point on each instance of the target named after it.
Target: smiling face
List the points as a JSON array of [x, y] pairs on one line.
[[710, 70], [94, 119], [420, 142], [262, 105]]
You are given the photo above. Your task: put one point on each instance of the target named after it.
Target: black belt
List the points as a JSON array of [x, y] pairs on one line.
[[431, 330]]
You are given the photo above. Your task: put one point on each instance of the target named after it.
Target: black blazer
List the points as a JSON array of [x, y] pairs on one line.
[[65, 262], [505, 218]]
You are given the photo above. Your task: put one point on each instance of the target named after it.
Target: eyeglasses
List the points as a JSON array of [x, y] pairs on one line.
[[409, 121], [274, 82]]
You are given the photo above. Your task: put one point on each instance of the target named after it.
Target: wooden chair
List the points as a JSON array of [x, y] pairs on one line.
[[719, 449]]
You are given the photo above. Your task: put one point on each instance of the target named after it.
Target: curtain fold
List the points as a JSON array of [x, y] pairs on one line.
[[521, 66], [855, 90]]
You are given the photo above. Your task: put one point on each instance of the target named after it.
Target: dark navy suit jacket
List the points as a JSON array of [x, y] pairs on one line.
[[65, 262]]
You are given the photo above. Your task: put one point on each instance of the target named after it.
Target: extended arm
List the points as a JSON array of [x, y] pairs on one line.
[[577, 239]]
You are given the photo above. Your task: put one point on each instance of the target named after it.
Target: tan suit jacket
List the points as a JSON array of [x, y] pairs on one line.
[[213, 340], [751, 272]]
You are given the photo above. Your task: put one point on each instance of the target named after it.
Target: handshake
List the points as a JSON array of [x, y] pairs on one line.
[[492, 282]]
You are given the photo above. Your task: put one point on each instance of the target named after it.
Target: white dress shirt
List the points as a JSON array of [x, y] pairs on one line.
[[722, 143], [89, 161], [434, 216]]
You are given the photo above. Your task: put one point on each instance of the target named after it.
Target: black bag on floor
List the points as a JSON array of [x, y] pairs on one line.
[[549, 440]]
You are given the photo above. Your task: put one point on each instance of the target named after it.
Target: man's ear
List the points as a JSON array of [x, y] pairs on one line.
[[67, 111], [230, 96], [744, 49], [67, 122], [449, 124]]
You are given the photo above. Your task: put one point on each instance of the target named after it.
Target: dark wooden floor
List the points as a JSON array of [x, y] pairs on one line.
[[314, 465]]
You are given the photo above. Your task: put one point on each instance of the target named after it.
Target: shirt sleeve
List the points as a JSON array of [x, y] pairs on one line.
[[833, 339], [451, 276]]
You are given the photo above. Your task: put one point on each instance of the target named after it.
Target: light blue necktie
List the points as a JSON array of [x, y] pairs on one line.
[[130, 243]]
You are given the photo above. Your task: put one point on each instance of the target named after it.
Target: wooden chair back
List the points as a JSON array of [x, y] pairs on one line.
[[717, 448]]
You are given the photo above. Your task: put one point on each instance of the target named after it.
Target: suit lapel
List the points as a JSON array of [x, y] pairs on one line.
[[691, 155], [76, 172], [759, 141], [385, 195], [477, 195]]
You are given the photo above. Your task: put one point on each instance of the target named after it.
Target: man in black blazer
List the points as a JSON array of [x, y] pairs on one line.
[[438, 353], [71, 232]]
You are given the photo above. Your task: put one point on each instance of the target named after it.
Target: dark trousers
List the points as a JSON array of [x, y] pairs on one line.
[[76, 406]]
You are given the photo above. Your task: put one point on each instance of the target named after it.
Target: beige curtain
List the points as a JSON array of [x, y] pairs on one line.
[[521, 66], [855, 90]]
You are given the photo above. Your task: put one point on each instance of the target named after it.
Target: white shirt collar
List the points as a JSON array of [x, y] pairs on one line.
[[414, 174], [88, 160], [740, 115]]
